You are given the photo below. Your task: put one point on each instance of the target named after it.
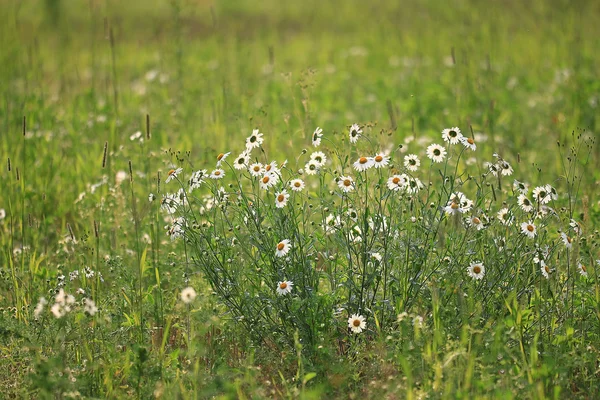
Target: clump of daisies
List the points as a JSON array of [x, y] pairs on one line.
[[364, 226]]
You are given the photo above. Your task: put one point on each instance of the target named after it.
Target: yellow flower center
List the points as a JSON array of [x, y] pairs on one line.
[[220, 156], [282, 285], [378, 158], [280, 198], [171, 172], [363, 160], [256, 168], [547, 269], [266, 179], [530, 228], [297, 184], [217, 173], [477, 269], [454, 206], [268, 167], [347, 182], [470, 141], [280, 246], [356, 322], [396, 180], [476, 220]]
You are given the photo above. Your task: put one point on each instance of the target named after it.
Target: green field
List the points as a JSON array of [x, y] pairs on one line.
[[103, 101]]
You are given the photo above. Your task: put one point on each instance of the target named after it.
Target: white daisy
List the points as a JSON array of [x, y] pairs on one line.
[[268, 180], [173, 174], [256, 169], [363, 164], [381, 160], [567, 240], [284, 287], [319, 157], [452, 135], [273, 168], [453, 208], [197, 179], [476, 270], [316, 137], [283, 248], [528, 228], [255, 140], [352, 214], [397, 182], [541, 195], [525, 204], [505, 168], [505, 217], [346, 183], [436, 153], [217, 174], [357, 323], [281, 198], [221, 157], [577, 227], [414, 185], [521, 187], [311, 167], [582, 270], [475, 222], [332, 223], [151, 198], [469, 143], [545, 270], [412, 162], [493, 168], [297, 185], [553, 193], [241, 162], [355, 133], [188, 295]]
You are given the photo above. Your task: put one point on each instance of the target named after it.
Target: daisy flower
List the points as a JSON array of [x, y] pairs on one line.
[[452, 135], [465, 203], [436, 153], [525, 203], [582, 270], [172, 174], [363, 164], [380, 160], [412, 162], [297, 185], [493, 168], [505, 168], [242, 160], [453, 208], [217, 174], [475, 222], [469, 143], [151, 197], [221, 157], [281, 198], [577, 228], [357, 323], [521, 187], [504, 217], [541, 195], [352, 214], [545, 270], [197, 179], [355, 133], [476, 270], [397, 182], [312, 167], [528, 228], [188, 295], [552, 191], [319, 157], [332, 223], [268, 180], [284, 287], [414, 185], [316, 137], [255, 140], [566, 240], [346, 183], [283, 248], [256, 169], [273, 168]]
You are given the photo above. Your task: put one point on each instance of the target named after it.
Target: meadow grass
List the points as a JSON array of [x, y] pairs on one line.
[[168, 283]]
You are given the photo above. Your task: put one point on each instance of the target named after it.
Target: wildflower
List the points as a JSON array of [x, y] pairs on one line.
[[80, 291], [283, 248], [552, 191], [2, 214], [363, 164], [566, 240], [352, 214], [188, 295], [355, 234], [475, 222], [312, 167], [541, 195], [469, 143], [528, 228], [242, 160], [255, 140], [376, 256], [173, 174], [582, 270], [525, 203], [397, 182], [256, 169], [169, 203], [460, 198], [476, 270], [39, 308], [493, 168], [346, 183], [197, 179], [151, 197], [297, 185], [505, 217], [453, 208], [545, 270], [505, 168], [380, 160], [436, 153], [316, 137], [319, 157], [268, 180], [176, 230], [272, 168], [414, 185], [281, 198], [576, 227], [284, 287], [452, 135], [217, 174], [62, 304], [357, 323], [90, 307], [332, 223], [136, 135], [521, 187], [221, 157], [355, 133], [412, 162]]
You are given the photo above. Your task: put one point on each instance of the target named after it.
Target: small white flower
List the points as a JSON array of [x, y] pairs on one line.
[[363, 164], [256, 169], [151, 197], [377, 256], [80, 291], [505, 217], [173, 174], [188, 295], [414, 185], [255, 140], [39, 308], [281, 198], [357, 323], [197, 179], [282, 248], [319, 157], [297, 185], [284, 287], [217, 174], [316, 137], [436, 153], [525, 203], [475, 222], [268, 180], [522, 187], [582, 270], [452, 135], [577, 228], [542, 195], [528, 228], [476, 270], [545, 269], [355, 133], [469, 143], [381, 160], [2, 214], [137, 135], [567, 240], [90, 307], [412, 162], [221, 157], [346, 183], [505, 168], [453, 208], [311, 167], [241, 162]]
